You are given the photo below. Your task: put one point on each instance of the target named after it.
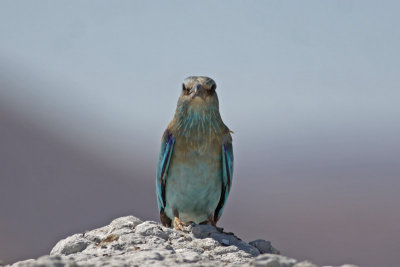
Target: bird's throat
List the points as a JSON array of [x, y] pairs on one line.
[[198, 124]]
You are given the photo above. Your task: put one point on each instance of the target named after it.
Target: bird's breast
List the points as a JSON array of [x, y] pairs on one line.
[[194, 180], [207, 149]]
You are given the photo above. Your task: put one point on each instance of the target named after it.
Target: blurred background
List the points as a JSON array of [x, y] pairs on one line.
[[310, 89]]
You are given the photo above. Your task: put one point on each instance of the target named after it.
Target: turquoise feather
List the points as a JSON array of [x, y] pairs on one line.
[[195, 167], [167, 146]]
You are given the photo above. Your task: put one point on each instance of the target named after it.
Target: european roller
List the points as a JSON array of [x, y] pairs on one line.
[[194, 172]]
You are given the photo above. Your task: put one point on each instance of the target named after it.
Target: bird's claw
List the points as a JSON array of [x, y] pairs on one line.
[[179, 225]]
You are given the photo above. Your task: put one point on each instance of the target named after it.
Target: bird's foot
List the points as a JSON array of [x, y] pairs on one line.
[[180, 225], [221, 230]]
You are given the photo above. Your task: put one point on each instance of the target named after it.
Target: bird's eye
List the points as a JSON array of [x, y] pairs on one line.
[[211, 91], [184, 89]]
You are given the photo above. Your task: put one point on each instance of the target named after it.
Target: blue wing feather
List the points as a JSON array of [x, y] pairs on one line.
[[227, 172], [167, 146]]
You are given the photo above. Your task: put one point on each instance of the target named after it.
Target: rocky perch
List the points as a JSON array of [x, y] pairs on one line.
[[127, 241]]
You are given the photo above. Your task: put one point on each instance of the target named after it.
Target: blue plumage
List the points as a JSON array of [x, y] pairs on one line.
[[227, 170], [167, 146], [195, 167]]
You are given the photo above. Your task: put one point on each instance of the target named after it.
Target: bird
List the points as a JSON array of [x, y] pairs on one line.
[[195, 164]]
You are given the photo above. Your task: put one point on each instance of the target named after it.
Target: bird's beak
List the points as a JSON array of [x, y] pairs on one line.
[[197, 90]]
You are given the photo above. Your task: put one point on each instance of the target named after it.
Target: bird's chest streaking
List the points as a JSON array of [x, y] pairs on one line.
[[193, 187]]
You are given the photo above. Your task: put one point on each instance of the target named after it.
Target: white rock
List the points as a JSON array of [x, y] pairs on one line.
[[264, 246], [70, 245], [306, 264], [272, 260], [127, 221], [127, 241]]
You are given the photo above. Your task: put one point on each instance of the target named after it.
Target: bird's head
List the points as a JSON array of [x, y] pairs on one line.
[[198, 94], [197, 114]]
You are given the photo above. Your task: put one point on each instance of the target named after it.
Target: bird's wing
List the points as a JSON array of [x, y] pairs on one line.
[[227, 171], [167, 146]]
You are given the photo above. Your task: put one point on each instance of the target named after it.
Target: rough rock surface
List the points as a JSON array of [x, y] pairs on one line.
[[127, 241]]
